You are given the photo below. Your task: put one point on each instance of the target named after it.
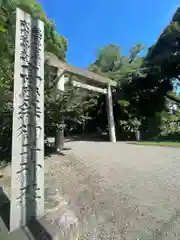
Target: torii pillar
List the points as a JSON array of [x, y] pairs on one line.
[[111, 125], [59, 139]]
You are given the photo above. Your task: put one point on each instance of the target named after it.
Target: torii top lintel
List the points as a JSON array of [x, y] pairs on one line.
[[52, 60]]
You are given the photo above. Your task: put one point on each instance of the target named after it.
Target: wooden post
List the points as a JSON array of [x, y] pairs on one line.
[[27, 178], [111, 125]]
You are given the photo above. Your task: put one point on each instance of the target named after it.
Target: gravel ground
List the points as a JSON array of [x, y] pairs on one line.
[[124, 191], [118, 191]]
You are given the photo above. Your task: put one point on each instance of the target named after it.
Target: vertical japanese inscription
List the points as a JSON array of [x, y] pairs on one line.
[[23, 112], [27, 120], [29, 110]]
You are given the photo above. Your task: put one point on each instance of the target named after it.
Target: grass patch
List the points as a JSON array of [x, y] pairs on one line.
[[158, 143]]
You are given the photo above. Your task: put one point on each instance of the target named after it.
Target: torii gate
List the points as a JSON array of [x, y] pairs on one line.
[[88, 80]]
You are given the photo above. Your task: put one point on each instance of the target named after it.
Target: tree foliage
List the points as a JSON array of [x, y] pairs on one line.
[[124, 70], [71, 106]]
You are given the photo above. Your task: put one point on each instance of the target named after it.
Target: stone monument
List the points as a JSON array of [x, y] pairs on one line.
[[27, 179]]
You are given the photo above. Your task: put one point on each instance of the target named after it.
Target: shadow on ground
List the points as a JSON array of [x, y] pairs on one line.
[[38, 231], [88, 137], [51, 150], [4, 208]]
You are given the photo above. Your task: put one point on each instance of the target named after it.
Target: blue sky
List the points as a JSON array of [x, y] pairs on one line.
[[89, 25]]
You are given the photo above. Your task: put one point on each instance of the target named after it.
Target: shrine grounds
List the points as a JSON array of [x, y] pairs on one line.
[[114, 190]]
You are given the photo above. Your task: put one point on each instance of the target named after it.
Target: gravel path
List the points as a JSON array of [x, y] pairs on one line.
[[118, 191], [124, 191]]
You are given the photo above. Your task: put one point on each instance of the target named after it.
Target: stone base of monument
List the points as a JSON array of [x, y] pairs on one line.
[[59, 223], [56, 226], [64, 227]]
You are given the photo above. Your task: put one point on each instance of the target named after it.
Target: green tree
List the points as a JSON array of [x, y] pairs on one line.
[[164, 56], [124, 70], [54, 43]]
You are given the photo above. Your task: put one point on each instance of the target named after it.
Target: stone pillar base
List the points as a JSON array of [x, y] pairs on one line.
[[64, 227], [55, 226]]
